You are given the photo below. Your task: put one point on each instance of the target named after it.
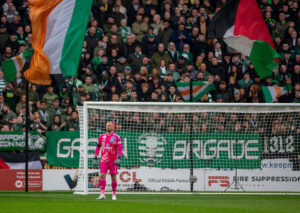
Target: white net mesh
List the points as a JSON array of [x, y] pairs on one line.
[[249, 148]]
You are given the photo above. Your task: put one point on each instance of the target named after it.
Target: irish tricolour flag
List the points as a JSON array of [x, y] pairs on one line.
[[15, 64], [242, 26], [200, 88], [58, 29], [273, 92]]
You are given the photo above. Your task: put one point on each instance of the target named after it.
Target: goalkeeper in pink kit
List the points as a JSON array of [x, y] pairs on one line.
[[111, 152]]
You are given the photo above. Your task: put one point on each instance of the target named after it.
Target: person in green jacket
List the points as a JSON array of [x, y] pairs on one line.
[[159, 56]]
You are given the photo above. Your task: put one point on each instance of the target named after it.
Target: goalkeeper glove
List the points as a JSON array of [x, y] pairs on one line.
[[118, 161], [95, 162]]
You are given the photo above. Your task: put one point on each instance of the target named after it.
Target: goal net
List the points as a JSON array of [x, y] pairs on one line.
[[195, 147]]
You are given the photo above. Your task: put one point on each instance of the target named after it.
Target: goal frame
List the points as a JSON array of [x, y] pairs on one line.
[[278, 107]]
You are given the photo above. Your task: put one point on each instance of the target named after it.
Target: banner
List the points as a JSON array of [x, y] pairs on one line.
[[12, 141], [168, 150], [63, 148], [281, 146]]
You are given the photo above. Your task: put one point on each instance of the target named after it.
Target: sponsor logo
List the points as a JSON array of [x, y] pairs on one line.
[[222, 181], [19, 184], [151, 148], [113, 139], [127, 176]]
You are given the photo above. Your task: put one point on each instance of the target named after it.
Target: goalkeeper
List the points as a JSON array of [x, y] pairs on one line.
[[111, 152]]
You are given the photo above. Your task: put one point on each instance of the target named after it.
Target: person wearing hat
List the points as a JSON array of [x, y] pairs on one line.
[[219, 98], [236, 96], [150, 43], [121, 64]]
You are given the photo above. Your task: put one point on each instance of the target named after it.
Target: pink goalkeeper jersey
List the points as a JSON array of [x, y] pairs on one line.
[[110, 145]]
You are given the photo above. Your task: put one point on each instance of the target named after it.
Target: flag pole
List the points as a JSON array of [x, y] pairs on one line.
[[191, 140], [26, 135], [25, 67]]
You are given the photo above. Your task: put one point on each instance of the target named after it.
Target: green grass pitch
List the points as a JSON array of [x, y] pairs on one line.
[[56, 202]]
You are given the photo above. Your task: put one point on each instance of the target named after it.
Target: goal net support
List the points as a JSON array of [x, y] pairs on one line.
[[195, 147]]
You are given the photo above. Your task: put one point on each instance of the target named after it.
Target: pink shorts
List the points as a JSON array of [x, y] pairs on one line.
[[111, 166]]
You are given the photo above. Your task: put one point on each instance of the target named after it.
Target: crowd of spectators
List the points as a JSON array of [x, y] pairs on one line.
[[135, 51]]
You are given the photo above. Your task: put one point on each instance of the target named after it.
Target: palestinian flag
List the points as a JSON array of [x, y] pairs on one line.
[[58, 30], [242, 26], [11, 67], [273, 92], [10, 160], [200, 88]]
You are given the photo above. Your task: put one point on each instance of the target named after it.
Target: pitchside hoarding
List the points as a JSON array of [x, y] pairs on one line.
[[14, 179], [168, 150], [279, 179]]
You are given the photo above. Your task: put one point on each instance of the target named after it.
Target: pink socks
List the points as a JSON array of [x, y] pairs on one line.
[[114, 187], [102, 185]]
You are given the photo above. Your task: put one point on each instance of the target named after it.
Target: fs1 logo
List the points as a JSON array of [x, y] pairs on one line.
[[222, 181]]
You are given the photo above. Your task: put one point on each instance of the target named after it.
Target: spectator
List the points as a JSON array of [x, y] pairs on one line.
[[139, 28], [180, 37], [135, 59], [73, 123], [150, 43], [157, 24], [49, 96], [8, 116], [188, 56], [159, 56], [44, 115], [255, 94], [3, 36], [2, 81], [21, 104], [245, 82], [124, 30], [10, 95], [37, 124], [165, 33], [57, 124]]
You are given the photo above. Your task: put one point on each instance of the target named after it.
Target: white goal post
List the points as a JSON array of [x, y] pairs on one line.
[[195, 147]]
